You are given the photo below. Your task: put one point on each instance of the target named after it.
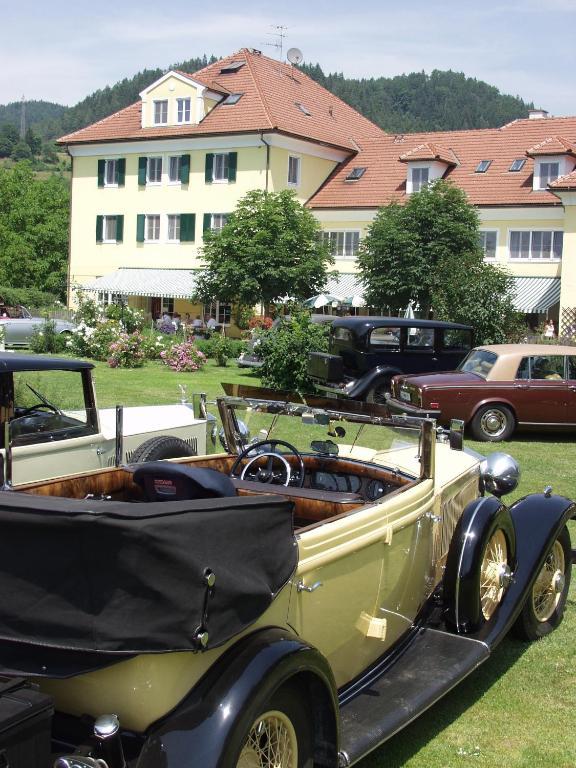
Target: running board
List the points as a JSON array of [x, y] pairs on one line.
[[432, 664]]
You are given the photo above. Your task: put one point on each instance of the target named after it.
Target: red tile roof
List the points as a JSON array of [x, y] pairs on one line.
[[427, 151], [552, 145], [271, 94], [565, 182], [385, 176]]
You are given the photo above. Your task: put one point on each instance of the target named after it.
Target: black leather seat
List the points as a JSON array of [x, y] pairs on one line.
[[162, 481]]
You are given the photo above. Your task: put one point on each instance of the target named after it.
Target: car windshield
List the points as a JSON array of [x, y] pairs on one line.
[[327, 432], [478, 361]]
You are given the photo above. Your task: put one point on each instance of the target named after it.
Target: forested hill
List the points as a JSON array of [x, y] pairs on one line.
[[440, 101], [401, 104], [43, 116]]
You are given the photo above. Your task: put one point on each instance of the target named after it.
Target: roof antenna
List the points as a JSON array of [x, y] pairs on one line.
[[280, 34]]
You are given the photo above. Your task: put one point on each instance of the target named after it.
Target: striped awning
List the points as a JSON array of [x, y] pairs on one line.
[[345, 284], [536, 294], [164, 283]]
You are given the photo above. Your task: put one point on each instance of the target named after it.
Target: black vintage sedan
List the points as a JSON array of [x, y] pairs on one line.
[[366, 352]]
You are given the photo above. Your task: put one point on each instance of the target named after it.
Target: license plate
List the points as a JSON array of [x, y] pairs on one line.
[[405, 396]]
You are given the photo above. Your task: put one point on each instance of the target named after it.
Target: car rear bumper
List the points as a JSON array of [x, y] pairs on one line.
[[399, 407]]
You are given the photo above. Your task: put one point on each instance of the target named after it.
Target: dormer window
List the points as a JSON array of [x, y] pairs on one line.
[[232, 66], [545, 173], [161, 112], [483, 166], [355, 174], [183, 110], [518, 164], [233, 98], [418, 178]]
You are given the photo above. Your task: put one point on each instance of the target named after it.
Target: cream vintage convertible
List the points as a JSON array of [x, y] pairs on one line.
[[290, 602]]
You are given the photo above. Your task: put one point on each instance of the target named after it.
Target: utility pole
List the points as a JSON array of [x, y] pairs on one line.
[[22, 118]]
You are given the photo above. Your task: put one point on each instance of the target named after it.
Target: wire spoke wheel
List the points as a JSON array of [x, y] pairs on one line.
[[494, 573], [549, 584], [271, 743]]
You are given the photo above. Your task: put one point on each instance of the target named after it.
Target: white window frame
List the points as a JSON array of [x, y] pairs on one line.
[[178, 159], [147, 223], [416, 186], [216, 309], [483, 233], [215, 162], [541, 259], [160, 109], [183, 106], [154, 159], [167, 305], [110, 167], [173, 222], [297, 160], [328, 236], [105, 220], [538, 177], [222, 219]]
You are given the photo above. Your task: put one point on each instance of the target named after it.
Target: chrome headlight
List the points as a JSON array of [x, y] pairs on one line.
[[499, 473]]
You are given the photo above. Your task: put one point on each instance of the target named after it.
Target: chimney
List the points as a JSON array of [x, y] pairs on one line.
[[537, 114]]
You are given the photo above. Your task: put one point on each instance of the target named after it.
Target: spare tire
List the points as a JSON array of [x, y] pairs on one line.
[[162, 447]]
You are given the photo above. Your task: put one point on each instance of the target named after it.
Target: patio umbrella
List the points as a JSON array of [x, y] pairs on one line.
[[322, 300], [355, 301], [409, 311]]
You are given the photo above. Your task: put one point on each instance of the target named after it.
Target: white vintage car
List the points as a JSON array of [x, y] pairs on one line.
[[289, 603], [19, 325], [50, 422]]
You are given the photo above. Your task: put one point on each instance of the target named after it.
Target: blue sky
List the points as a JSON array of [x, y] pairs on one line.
[[523, 47]]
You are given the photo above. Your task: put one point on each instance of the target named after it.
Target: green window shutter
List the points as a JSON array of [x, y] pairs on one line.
[[140, 223], [121, 172], [185, 169], [101, 168], [207, 224], [232, 163], [142, 168], [99, 228], [119, 228], [187, 227], [209, 168]]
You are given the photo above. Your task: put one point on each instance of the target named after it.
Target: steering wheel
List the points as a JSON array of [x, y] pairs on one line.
[[44, 402], [267, 474]]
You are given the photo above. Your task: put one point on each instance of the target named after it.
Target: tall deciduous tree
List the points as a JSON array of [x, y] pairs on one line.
[[269, 248], [428, 251], [33, 230]]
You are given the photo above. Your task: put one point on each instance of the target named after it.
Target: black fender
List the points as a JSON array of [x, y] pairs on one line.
[[363, 385], [207, 728], [478, 522], [538, 520]]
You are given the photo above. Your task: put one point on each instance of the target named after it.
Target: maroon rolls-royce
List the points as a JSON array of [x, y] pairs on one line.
[[497, 389]]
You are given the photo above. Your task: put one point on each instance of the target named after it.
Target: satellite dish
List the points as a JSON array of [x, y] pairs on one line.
[[295, 56]]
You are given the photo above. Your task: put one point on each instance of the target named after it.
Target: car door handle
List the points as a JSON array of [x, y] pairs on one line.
[[521, 386], [301, 587], [572, 389]]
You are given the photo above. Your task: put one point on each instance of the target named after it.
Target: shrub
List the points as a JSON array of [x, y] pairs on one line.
[[154, 343], [130, 319], [94, 341], [285, 352], [45, 339], [207, 346], [265, 323], [127, 351], [183, 357], [221, 349]]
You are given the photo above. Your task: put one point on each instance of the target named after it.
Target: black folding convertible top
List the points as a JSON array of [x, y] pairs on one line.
[[85, 583]]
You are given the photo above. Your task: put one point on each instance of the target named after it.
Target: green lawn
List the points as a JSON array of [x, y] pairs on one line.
[[517, 710]]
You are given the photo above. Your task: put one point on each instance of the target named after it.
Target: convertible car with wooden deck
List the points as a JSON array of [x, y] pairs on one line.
[[290, 602]]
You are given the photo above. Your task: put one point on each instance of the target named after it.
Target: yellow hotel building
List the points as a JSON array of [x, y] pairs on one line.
[[150, 179]]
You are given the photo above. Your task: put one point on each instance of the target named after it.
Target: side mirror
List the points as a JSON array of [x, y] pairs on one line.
[[456, 434]]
